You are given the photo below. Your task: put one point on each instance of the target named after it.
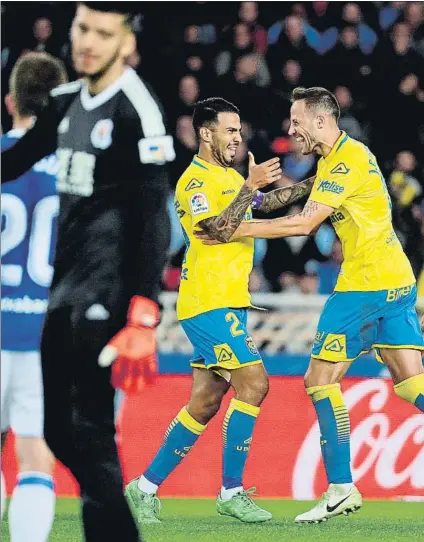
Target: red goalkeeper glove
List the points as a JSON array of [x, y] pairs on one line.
[[133, 349]]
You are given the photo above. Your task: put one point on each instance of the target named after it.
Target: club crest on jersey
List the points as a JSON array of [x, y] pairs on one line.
[[101, 135], [340, 168], [251, 345], [327, 186], [199, 203], [194, 183]]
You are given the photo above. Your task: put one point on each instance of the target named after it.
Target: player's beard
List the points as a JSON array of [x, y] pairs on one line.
[[94, 77], [218, 152], [308, 144]]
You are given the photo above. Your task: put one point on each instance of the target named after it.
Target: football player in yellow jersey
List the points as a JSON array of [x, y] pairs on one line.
[[212, 308], [373, 305]]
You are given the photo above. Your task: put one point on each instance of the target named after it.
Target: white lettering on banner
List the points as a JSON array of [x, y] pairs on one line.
[[372, 432]]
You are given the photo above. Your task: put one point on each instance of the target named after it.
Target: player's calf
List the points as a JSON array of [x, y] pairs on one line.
[[406, 368], [251, 387], [412, 390], [33, 497]]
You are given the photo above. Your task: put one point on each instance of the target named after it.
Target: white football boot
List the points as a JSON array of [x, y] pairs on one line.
[[335, 501]]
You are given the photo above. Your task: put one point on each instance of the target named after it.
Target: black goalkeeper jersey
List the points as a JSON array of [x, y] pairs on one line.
[[112, 180]]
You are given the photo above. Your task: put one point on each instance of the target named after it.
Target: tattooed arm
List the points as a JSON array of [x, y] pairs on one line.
[[223, 226], [283, 197], [304, 223]]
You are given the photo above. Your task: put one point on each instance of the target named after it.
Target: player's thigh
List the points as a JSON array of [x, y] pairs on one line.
[[321, 372], [93, 394], [33, 454], [57, 360], [6, 375], [221, 340], [402, 363], [26, 395], [399, 342], [347, 326]]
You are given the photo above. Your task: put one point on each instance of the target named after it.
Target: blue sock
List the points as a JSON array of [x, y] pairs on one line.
[[180, 436], [333, 419], [237, 436]]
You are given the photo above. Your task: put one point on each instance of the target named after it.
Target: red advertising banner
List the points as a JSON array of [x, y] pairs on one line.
[[285, 458]]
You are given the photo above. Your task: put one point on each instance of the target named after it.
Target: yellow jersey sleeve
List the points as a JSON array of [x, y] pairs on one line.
[[200, 199], [337, 185]]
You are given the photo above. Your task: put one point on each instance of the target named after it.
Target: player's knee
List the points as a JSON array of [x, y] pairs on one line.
[[203, 406], [34, 455], [253, 392]]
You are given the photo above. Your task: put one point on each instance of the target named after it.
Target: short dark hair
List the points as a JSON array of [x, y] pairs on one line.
[[317, 99], [33, 77], [128, 9], [206, 112]]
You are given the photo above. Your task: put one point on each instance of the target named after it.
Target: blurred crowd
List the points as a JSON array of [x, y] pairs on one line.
[[370, 54]]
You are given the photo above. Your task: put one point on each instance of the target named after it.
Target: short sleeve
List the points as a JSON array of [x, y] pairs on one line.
[[201, 198], [337, 186]]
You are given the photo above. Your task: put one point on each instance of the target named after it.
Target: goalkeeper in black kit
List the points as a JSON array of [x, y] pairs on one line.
[[113, 234]]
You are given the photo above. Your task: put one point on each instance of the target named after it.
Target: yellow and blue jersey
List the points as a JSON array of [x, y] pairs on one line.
[[350, 180], [213, 277]]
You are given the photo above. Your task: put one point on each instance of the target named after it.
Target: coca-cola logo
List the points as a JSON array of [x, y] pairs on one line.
[[393, 456]]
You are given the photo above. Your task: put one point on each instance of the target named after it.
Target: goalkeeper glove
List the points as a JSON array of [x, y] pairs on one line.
[[133, 349]]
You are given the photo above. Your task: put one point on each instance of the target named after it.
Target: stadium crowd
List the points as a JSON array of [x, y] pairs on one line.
[[253, 54]]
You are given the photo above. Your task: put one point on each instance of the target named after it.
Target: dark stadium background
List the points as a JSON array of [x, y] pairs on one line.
[[371, 54]]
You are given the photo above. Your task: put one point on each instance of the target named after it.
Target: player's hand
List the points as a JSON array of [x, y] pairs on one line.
[[261, 175], [422, 323], [133, 349], [206, 238]]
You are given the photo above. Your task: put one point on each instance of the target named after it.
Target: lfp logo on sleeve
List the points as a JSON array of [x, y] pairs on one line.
[[199, 203]]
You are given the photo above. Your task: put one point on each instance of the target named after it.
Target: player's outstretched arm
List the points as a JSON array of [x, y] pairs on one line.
[[223, 226], [304, 223], [283, 197], [39, 141]]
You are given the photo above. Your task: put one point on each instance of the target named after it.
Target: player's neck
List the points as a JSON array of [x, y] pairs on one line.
[[207, 156], [95, 86], [22, 123], [328, 141]]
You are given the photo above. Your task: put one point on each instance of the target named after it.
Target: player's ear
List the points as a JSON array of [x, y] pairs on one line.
[[320, 121], [129, 45], [10, 104], [205, 134]]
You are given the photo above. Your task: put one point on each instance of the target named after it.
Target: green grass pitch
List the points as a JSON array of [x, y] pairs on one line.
[[195, 520]]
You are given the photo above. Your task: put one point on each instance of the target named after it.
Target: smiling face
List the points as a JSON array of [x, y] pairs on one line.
[[223, 137], [303, 126]]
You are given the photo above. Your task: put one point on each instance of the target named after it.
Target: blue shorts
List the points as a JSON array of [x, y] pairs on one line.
[[220, 340], [354, 322]]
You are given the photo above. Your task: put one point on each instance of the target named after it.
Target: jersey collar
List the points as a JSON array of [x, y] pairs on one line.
[[91, 102], [16, 133], [199, 162], [337, 145]]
